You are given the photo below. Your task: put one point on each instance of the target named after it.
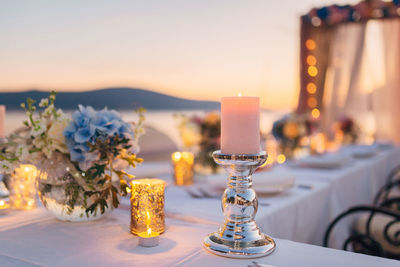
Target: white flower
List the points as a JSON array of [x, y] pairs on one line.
[[39, 128], [49, 110], [56, 136], [6, 166], [44, 102], [22, 152], [38, 143]]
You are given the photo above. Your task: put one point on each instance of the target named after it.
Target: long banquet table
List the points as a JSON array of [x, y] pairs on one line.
[[303, 215], [34, 238], [44, 241]]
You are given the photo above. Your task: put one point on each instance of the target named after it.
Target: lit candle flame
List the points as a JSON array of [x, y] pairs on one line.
[[240, 94], [2, 203], [149, 231], [148, 220]]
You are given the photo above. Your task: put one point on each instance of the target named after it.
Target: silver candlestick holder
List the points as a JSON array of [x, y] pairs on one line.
[[239, 236]]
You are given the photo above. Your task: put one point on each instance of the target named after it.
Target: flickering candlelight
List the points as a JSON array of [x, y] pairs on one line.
[[4, 206], [23, 188], [147, 207], [149, 239], [183, 167]]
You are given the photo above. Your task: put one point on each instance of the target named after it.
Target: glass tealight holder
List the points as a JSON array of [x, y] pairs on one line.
[[147, 207], [182, 163], [22, 187], [4, 206]]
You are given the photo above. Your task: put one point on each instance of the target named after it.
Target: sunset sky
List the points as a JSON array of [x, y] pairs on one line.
[[200, 49]]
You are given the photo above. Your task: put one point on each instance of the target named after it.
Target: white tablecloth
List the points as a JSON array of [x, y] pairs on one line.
[[36, 239], [107, 242], [303, 215]]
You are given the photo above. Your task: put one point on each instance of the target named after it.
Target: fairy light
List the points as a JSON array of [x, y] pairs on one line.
[[312, 71], [311, 88], [315, 113], [311, 60], [310, 44], [312, 102]]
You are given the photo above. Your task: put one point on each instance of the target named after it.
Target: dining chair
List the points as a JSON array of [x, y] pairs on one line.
[[376, 231]]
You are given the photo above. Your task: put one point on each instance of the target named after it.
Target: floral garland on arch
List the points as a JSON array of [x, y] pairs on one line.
[[82, 158], [363, 11]]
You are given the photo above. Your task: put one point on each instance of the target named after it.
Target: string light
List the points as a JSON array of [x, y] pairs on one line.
[[310, 44], [312, 102], [311, 60], [315, 113], [312, 71], [311, 88]]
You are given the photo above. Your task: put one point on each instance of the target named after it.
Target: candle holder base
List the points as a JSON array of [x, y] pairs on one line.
[[231, 248], [239, 235]]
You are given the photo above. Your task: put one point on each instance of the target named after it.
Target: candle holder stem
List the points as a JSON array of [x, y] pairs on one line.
[[239, 235]]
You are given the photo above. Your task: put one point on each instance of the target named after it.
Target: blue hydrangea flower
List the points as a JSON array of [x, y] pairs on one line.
[[107, 121], [88, 127]]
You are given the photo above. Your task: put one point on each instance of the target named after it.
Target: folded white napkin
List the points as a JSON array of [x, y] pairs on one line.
[[360, 151], [326, 161]]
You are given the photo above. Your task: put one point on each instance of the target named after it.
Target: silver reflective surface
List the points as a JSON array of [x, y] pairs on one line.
[[239, 236]]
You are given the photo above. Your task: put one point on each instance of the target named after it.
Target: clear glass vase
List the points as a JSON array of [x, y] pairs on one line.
[[66, 194]]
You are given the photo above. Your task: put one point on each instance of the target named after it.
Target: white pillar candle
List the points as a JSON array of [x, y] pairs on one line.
[[2, 120], [240, 125]]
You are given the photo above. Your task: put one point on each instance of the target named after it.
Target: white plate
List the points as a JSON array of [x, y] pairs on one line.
[[361, 151], [264, 183], [326, 161]]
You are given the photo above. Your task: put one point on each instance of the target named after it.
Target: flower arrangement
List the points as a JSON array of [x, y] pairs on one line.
[[346, 130], [81, 158], [291, 130], [364, 10], [202, 134]]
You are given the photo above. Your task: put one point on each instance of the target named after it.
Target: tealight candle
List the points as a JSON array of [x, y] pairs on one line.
[[149, 239], [23, 188], [183, 167], [240, 125], [2, 120], [147, 207]]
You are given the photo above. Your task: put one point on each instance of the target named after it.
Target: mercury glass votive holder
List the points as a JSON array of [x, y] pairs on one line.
[[182, 163], [22, 187], [147, 206]]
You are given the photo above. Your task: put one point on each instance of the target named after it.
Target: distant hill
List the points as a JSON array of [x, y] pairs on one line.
[[113, 98]]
